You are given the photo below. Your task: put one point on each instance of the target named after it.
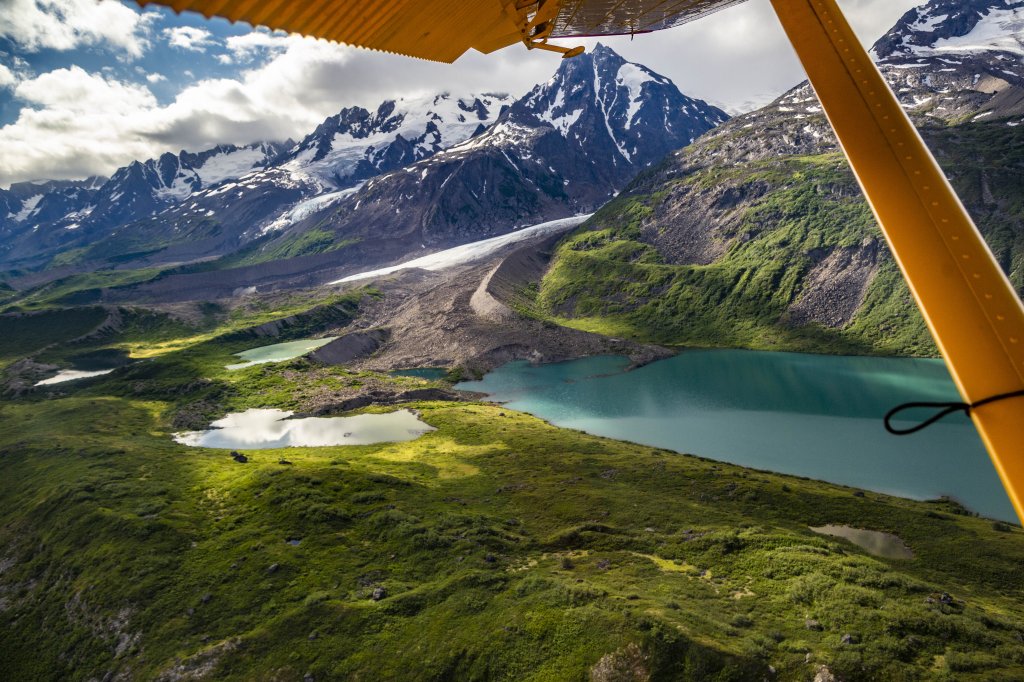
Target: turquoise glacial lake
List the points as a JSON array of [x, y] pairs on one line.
[[810, 415]]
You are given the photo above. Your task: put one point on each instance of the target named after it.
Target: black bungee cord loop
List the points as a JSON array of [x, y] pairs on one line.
[[946, 410]]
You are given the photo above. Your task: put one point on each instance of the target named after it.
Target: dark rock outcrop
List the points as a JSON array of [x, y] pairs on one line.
[[351, 347]]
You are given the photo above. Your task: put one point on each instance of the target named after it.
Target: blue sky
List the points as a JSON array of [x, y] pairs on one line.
[[169, 67], [89, 85]]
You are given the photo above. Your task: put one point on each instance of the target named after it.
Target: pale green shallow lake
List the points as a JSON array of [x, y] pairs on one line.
[[279, 352], [810, 415]]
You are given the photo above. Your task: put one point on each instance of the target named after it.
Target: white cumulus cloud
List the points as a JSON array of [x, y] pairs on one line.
[[189, 38], [7, 78], [75, 124], [67, 24], [248, 45], [285, 97]]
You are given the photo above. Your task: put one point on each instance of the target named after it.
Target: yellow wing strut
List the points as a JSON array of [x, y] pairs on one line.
[[970, 306]]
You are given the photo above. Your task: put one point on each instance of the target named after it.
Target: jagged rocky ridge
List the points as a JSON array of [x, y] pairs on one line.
[[44, 217], [357, 144], [757, 235]]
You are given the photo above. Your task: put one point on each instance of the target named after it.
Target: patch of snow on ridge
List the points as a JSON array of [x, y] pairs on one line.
[[566, 120], [926, 24], [234, 164], [633, 77], [467, 253], [999, 30], [222, 166], [27, 207]]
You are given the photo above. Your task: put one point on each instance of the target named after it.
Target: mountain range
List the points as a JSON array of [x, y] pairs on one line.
[[367, 185]]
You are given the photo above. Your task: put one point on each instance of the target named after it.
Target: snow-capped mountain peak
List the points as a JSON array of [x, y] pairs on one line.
[[955, 29], [954, 59], [601, 97], [564, 148]]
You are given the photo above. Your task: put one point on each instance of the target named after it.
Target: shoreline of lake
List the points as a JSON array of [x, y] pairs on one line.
[[817, 416]]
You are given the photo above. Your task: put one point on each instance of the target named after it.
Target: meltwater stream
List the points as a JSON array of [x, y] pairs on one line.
[[809, 415]]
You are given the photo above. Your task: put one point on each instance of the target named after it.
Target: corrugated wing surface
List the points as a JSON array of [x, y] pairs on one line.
[[439, 30]]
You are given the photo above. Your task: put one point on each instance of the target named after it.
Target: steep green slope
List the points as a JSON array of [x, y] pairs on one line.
[[497, 547], [719, 247]]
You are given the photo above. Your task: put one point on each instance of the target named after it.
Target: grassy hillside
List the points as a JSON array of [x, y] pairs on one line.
[[773, 225], [497, 547], [56, 335]]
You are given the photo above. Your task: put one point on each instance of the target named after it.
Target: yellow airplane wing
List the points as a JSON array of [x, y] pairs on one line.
[[439, 30], [443, 30]]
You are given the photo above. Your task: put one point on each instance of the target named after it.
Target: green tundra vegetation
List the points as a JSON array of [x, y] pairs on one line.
[[606, 278], [497, 547]]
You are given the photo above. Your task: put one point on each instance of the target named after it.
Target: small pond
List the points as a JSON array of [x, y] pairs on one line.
[[262, 429], [279, 352], [885, 545], [72, 375], [428, 373]]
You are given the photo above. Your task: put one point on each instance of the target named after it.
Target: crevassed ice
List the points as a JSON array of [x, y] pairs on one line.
[[308, 207], [467, 253]]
